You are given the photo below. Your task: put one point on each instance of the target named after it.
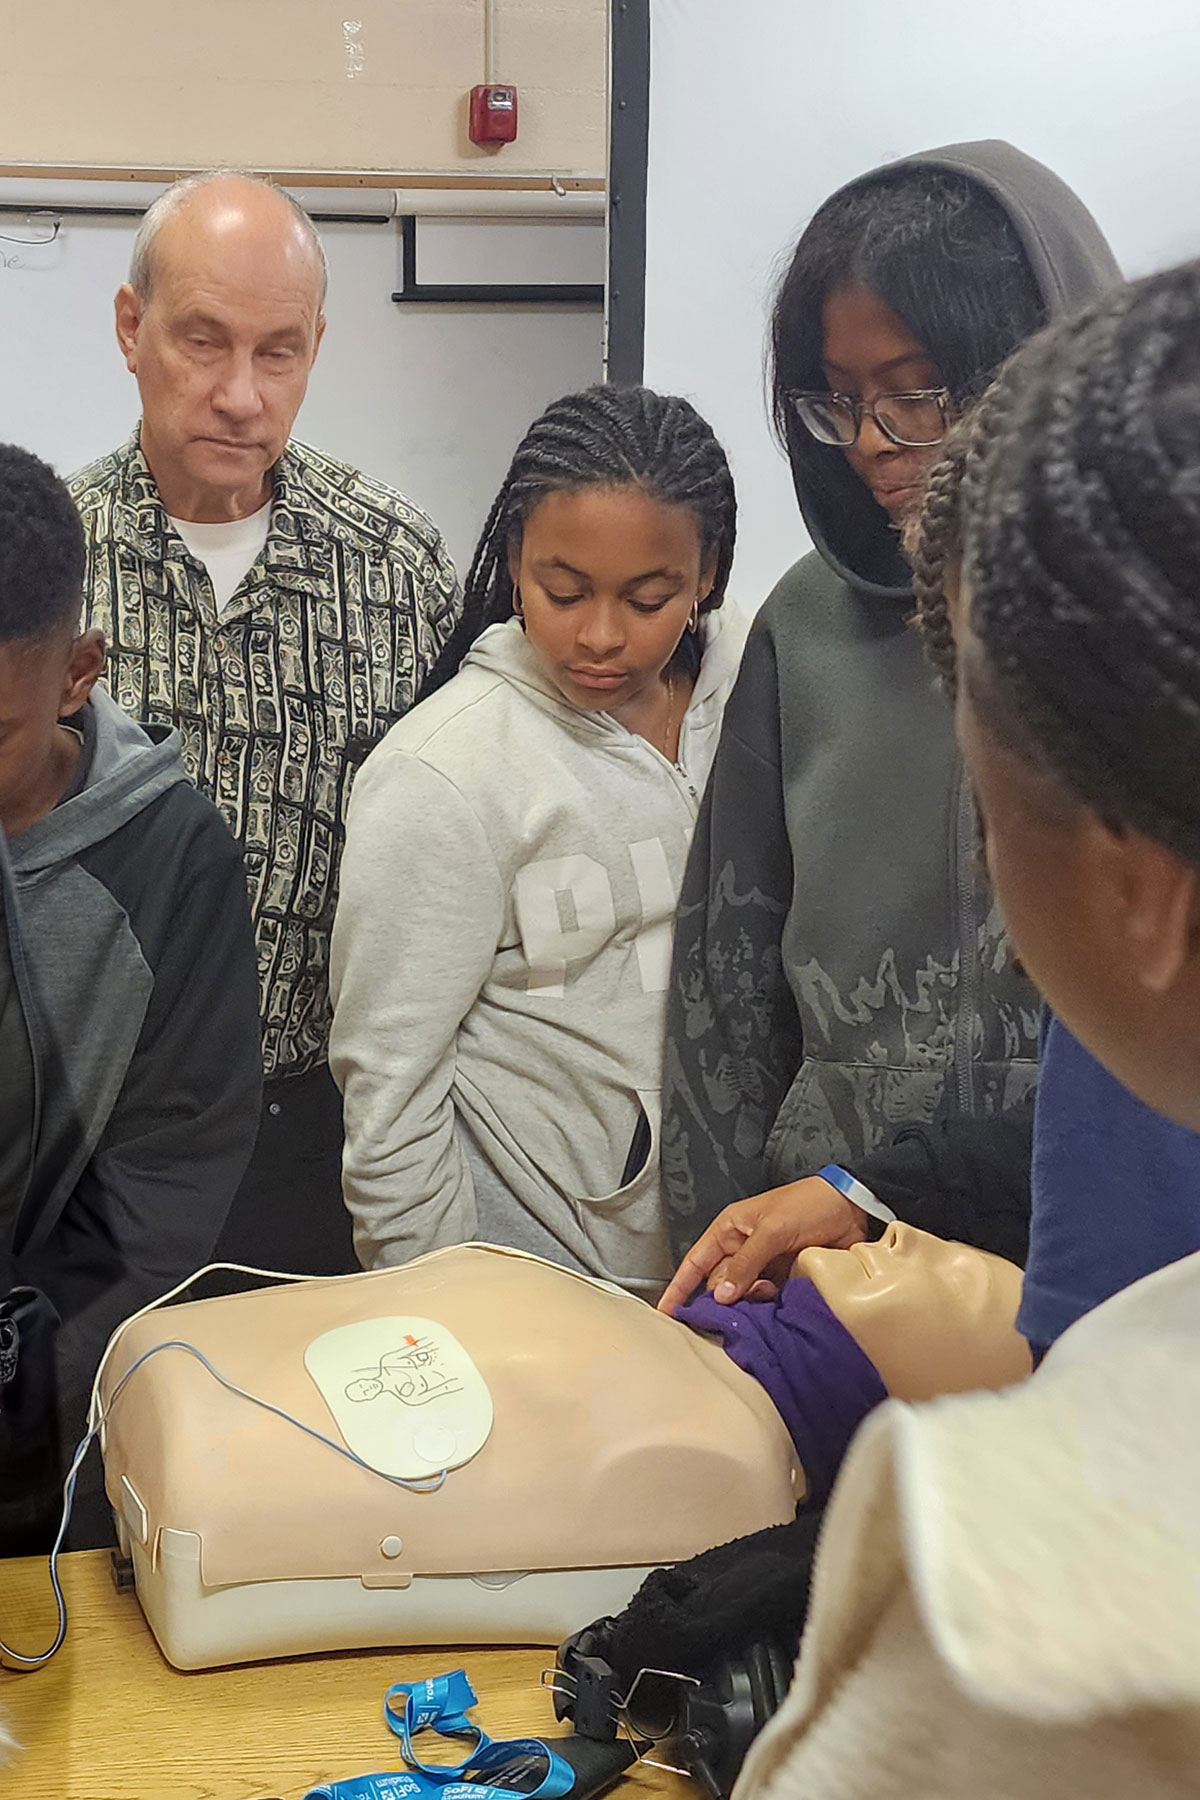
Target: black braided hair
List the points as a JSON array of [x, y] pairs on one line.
[[1081, 564], [603, 437], [936, 548], [41, 550], [935, 542]]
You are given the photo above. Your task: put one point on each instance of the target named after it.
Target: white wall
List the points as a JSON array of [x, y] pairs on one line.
[[760, 109], [432, 399]]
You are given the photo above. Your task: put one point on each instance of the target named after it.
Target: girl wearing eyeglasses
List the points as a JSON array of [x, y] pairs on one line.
[[839, 968]]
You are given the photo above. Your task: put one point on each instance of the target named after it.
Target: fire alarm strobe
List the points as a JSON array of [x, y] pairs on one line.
[[493, 115]]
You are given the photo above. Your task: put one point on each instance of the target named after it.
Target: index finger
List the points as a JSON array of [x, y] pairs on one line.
[[721, 1239]]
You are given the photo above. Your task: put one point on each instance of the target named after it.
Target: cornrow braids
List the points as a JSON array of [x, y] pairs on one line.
[[42, 550], [603, 437], [936, 545], [1082, 558], [936, 550]]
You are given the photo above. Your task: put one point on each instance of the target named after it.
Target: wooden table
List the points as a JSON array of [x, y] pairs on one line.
[[109, 1719]]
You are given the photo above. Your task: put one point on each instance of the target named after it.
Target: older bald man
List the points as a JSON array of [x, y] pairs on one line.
[[280, 608]]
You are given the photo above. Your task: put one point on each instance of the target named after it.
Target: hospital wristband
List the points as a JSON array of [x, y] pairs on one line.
[[856, 1192]]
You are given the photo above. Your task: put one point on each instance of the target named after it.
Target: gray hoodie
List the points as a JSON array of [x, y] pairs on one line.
[[72, 938], [126, 938], [500, 962], [839, 967]]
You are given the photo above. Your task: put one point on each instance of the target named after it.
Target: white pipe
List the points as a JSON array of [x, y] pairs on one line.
[[489, 42], [500, 203], [94, 196], [352, 202]]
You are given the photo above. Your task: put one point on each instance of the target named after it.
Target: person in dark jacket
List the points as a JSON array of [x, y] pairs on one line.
[[839, 968], [130, 1070]]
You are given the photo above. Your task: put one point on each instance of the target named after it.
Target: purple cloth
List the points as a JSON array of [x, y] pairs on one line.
[[822, 1384]]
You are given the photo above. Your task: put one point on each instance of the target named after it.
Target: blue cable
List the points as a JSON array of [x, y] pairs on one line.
[[14, 1658]]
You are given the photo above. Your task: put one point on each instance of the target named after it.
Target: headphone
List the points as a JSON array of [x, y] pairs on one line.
[[706, 1723]]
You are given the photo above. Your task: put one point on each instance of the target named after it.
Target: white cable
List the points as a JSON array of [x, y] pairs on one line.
[[98, 1414], [164, 1299]]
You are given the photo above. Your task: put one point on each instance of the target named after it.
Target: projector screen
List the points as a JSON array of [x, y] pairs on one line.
[[760, 109]]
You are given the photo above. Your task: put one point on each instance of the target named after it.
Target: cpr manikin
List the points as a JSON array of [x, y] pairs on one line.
[[542, 1441]]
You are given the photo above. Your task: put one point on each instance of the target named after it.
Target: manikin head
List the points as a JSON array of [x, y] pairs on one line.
[[220, 322], [934, 1317], [1079, 676], [910, 1316], [47, 669], [611, 538]]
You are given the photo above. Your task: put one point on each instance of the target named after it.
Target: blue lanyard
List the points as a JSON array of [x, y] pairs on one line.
[[441, 1704]]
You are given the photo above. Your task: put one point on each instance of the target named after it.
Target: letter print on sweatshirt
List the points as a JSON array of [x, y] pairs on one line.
[[566, 913]]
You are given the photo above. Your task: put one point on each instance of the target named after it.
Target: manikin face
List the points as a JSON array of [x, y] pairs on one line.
[[608, 579], [867, 351], [222, 347], [933, 1317]]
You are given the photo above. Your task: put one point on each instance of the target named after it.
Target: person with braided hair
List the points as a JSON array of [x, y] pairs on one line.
[[841, 978], [1005, 1602], [1094, 1143], [515, 848]]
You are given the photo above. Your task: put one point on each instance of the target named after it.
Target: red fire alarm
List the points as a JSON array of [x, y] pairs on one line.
[[493, 115]]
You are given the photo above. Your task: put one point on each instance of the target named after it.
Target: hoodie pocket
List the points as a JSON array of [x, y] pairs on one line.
[[641, 1175], [627, 1229]]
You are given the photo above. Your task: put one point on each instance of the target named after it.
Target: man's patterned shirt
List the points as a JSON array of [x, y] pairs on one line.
[[324, 646]]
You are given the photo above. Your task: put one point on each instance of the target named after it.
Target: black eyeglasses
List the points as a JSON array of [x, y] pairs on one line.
[[914, 420]]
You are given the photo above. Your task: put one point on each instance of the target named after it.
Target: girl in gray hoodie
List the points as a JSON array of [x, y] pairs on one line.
[[515, 850], [840, 968]]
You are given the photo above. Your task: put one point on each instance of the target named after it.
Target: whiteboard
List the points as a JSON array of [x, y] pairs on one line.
[[431, 399], [805, 96]]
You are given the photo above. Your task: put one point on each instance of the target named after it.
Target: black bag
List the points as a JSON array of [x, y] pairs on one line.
[[31, 1471]]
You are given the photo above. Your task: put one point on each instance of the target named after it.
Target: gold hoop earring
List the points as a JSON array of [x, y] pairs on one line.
[[693, 623]]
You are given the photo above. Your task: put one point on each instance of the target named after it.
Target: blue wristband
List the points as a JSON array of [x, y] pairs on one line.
[[856, 1191]]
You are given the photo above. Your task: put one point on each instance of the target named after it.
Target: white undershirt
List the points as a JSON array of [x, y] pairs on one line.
[[228, 550]]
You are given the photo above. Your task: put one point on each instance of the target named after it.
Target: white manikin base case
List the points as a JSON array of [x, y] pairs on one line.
[[198, 1627], [619, 1441]]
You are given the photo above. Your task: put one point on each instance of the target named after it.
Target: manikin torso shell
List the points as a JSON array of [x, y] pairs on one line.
[[619, 1437]]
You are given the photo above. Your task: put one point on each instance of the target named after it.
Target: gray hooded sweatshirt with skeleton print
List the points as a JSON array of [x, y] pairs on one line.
[[839, 967]]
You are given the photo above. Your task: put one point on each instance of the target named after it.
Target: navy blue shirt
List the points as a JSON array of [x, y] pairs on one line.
[[1116, 1190]]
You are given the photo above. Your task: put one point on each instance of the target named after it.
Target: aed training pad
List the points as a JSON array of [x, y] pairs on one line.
[[405, 1396]]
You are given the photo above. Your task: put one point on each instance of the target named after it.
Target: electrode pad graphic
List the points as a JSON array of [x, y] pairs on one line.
[[406, 1396]]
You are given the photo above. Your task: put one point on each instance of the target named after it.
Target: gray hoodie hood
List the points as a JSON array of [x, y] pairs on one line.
[[1071, 263], [131, 767], [505, 650]]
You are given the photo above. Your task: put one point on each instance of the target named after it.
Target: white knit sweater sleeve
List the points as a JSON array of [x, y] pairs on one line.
[[419, 920]]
